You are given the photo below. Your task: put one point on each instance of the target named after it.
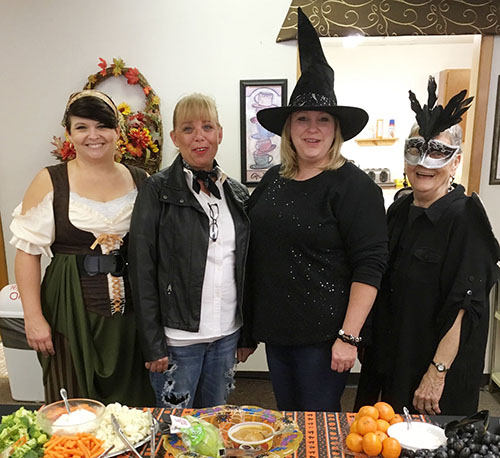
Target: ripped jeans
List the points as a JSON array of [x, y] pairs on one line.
[[198, 376]]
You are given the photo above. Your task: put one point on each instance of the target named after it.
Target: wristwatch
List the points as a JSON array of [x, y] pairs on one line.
[[440, 367]]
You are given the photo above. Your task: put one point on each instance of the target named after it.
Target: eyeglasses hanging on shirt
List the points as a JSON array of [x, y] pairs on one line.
[[213, 228]]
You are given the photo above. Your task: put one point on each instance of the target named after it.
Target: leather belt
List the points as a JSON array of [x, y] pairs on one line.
[[92, 264]]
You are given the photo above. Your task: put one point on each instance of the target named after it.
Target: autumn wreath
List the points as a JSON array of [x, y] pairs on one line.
[[141, 139]]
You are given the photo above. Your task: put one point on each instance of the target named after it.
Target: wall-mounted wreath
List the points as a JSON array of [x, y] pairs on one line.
[[141, 139]]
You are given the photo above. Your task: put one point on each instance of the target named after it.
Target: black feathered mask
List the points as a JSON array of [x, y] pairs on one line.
[[434, 119]]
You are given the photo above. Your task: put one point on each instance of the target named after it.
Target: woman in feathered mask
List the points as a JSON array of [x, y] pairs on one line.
[[431, 317]]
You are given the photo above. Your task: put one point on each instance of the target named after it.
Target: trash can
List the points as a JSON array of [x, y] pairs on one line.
[[25, 372]]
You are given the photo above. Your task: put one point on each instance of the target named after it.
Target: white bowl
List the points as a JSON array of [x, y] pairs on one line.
[[420, 435]]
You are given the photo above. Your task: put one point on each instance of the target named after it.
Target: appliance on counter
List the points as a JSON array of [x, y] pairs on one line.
[[380, 176]]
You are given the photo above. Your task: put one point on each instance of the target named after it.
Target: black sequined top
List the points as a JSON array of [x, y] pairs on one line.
[[309, 241]]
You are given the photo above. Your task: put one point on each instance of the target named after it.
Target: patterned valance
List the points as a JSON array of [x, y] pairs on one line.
[[339, 18]]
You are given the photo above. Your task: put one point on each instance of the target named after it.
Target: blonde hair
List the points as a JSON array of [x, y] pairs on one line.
[[195, 106], [289, 164]]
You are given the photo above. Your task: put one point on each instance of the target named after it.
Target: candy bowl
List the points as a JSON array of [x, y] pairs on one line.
[[84, 417]]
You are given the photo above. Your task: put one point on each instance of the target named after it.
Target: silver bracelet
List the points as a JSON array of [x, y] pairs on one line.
[[349, 338]]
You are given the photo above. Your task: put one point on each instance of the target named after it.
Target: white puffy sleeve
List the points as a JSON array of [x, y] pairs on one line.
[[34, 232]]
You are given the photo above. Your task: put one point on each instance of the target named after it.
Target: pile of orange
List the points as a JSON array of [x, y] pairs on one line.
[[368, 431]]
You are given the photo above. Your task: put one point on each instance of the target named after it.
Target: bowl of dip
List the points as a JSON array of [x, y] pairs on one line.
[[420, 435], [84, 417], [252, 435]]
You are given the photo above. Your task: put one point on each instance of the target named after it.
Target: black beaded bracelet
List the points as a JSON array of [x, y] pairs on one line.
[[349, 338]]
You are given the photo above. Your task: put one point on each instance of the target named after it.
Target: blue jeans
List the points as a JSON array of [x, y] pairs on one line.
[[198, 376], [302, 378]]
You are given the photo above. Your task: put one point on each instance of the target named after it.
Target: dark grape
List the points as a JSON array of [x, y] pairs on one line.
[[441, 454], [458, 445], [464, 453], [452, 453], [484, 450], [494, 449], [474, 447], [475, 455], [487, 438]]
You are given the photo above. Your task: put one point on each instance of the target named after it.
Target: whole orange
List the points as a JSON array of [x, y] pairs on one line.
[[372, 445], [370, 411], [354, 427], [382, 425], [366, 424], [381, 435], [397, 419], [354, 442], [385, 410], [391, 448]]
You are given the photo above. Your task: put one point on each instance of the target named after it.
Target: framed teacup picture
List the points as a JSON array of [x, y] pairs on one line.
[[260, 149]]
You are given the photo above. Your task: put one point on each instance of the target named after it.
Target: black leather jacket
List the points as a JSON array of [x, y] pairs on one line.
[[167, 254]]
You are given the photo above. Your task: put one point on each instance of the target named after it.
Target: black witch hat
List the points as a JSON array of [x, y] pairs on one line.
[[314, 89], [433, 119]]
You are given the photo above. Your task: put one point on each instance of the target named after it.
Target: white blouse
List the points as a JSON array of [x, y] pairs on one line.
[[34, 232]]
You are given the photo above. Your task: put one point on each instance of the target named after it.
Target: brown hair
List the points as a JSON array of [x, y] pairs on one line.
[[289, 164]]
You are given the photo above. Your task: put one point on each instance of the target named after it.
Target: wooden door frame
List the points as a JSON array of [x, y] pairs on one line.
[[480, 113]]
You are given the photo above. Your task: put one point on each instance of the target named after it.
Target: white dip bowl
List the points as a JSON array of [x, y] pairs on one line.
[[420, 435]]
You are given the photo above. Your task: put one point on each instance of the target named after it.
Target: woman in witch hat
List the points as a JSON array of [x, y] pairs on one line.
[[318, 242], [431, 317]]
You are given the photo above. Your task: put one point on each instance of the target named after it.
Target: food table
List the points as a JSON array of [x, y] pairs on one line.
[[324, 433]]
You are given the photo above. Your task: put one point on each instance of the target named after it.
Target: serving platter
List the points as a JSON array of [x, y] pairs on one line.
[[146, 439], [285, 442]]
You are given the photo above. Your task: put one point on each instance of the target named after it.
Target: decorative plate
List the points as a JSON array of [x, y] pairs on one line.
[[285, 442]]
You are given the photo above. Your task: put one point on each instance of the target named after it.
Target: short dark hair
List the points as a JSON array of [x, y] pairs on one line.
[[91, 108]]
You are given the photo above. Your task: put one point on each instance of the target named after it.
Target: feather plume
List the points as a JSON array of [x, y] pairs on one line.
[[434, 119]]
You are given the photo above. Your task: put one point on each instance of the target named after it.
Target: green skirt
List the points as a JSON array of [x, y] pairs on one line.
[[97, 356]]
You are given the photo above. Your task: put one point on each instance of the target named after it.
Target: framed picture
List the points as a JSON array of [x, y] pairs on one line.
[[260, 149], [494, 168]]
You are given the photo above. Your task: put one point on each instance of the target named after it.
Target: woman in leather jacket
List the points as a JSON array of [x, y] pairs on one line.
[[188, 243]]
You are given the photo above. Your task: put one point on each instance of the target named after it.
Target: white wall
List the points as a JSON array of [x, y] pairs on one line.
[[377, 77], [49, 48]]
